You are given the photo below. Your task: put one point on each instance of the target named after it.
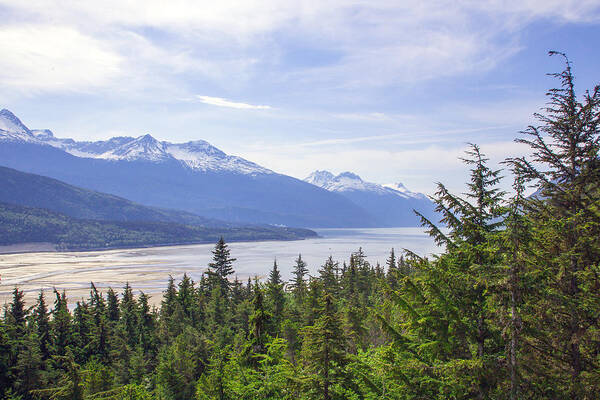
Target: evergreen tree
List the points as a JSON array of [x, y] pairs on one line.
[[393, 270], [83, 326], [146, 324], [5, 360], [169, 310], [61, 330], [324, 352], [450, 294], [29, 371], [222, 266], [259, 321], [298, 283], [16, 314], [112, 309], [42, 325], [515, 242], [128, 319], [276, 298], [96, 302], [327, 274], [70, 384], [565, 168], [186, 299]]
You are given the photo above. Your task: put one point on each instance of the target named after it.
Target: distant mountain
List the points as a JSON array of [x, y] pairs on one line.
[[194, 176], [19, 224], [38, 191], [391, 205]]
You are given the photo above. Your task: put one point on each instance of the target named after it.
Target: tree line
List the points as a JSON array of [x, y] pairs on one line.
[[510, 309]]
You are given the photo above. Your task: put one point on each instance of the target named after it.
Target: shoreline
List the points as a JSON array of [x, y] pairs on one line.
[[46, 247]]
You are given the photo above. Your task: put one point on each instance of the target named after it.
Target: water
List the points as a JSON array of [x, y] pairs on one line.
[[148, 269]]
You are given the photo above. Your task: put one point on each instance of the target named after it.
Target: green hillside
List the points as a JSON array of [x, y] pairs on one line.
[[19, 224], [38, 191]]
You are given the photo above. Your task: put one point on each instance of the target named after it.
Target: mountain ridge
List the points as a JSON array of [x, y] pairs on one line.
[[194, 176], [391, 204]]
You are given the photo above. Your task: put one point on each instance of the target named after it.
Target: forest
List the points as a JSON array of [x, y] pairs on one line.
[[22, 224], [509, 309]]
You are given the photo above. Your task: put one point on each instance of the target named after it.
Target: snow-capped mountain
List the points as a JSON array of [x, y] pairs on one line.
[[194, 176], [348, 181], [392, 205], [197, 155], [12, 129], [10, 123]]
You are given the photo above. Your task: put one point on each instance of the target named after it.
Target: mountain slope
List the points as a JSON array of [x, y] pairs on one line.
[[194, 176], [20, 224], [38, 191], [391, 205]]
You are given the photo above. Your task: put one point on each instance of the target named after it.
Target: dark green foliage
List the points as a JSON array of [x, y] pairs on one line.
[[16, 314], [324, 353], [509, 308], [20, 224], [259, 321], [276, 299], [221, 267], [298, 282]]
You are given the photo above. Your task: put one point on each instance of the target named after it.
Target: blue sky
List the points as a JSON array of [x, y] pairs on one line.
[[391, 90]]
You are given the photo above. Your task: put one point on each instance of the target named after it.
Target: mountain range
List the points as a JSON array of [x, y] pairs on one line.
[[390, 205], [197, 178]]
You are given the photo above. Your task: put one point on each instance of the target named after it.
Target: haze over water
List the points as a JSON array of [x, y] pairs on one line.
[[148, 269]]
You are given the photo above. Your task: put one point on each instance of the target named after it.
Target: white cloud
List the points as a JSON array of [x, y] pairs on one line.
[[221, 102], [367, 117], [44, 57], [231, 42]]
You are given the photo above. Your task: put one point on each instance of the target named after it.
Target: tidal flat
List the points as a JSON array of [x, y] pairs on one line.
[[148, 269]]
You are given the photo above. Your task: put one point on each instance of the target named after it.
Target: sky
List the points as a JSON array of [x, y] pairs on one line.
[[390, 90]]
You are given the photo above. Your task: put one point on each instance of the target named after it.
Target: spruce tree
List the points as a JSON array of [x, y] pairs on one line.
[[324, 352], [222, 266], [276, 298], [112, 308], [515, 243], [5, 360], [61, 330], [327, 274], [42, 325], [186, 299], [128, 312], [17, 314], [259, 322], [298, 283], [565, 169], [146, 324], [83, 327], [447, 306]]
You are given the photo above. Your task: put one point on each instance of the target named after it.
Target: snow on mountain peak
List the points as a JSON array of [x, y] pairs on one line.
[[42, 133], [349, 181], [399, 187], [197, 155], [10, 123], [320, 178], [346, 181], [141, 148]]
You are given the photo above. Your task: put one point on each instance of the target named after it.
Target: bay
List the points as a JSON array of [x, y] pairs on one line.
[[148, 269]]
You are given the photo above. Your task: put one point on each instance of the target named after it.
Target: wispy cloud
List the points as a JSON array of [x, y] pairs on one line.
[[233, 43], [409, 137], [221, 102], [370, 117]]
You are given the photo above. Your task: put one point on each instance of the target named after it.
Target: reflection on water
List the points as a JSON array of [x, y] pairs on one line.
[[148, 269]]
